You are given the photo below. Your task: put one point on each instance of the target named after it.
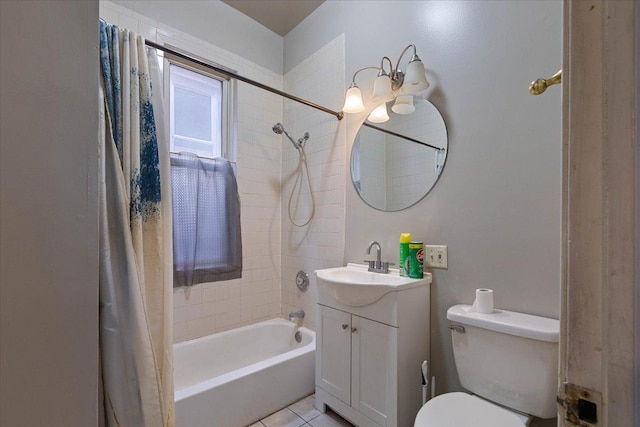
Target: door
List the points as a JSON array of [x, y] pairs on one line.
[[373, 370], [334, 358], [600, 218]]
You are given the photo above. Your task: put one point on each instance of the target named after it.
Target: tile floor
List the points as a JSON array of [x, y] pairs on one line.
[[302, 413]]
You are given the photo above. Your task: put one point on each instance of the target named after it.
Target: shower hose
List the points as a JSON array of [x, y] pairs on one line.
[[302, 161]]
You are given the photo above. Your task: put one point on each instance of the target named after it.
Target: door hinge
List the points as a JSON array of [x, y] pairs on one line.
[[579, 406]]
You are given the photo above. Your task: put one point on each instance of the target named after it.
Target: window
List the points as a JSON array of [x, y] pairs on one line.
[[195, 112], [206, 211]]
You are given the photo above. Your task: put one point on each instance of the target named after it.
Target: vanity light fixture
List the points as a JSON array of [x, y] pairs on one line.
[[394, 84]]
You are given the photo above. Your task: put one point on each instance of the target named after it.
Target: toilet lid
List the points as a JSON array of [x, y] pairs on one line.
[[463, 410]]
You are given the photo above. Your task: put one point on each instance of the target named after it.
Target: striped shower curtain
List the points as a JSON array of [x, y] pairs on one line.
[[135, 246]]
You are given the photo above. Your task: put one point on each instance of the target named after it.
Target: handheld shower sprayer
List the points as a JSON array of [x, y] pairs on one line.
[[279, 129], [303, 139]]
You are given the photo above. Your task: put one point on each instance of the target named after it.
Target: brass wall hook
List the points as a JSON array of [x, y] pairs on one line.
[[539, 86]]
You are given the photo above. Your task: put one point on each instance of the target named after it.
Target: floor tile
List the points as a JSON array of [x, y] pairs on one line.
[[305, 408], [330, 419], [283, 418], [258, 424]]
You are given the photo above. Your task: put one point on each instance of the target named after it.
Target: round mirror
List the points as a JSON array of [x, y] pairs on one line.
[[396, 163]]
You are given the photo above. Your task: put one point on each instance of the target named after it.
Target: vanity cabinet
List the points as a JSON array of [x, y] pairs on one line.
[[335, 361], [357, 362], [368, 358]]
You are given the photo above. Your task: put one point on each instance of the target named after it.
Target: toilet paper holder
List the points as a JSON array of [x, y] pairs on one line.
[[458, 328]]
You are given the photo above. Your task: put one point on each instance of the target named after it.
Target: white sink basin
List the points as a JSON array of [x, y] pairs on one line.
[[355, 286]]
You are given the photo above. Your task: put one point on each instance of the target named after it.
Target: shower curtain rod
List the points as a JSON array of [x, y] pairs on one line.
[[338, 114], [402, 136]]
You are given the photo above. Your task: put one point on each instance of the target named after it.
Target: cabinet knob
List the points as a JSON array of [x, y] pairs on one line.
[[345, 326], [354, 330]]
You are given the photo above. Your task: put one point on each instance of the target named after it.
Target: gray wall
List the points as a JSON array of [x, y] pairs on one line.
[[498, 203], [48, 213], [219, 24]]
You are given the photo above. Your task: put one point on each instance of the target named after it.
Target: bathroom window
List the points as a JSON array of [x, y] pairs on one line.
[[197, 112], [206, 212]]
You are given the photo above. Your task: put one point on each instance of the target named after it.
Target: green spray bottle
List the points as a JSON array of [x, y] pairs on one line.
[[403, 263]]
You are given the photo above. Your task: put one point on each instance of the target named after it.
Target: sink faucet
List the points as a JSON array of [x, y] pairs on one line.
[[377, 266]]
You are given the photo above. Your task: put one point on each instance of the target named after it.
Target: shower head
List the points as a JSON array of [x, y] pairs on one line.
[[279, 129]]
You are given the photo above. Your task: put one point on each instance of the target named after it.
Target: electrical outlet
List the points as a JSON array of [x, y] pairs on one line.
[[435, 256]]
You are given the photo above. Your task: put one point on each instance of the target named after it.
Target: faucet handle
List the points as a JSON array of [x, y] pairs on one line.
[[382, 267], [372, 264], [385, 266]]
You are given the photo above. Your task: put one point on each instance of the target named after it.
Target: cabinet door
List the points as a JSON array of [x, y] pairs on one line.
[[334, 356], [373, 370]]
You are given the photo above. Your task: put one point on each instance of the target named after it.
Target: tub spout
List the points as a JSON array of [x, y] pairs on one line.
[[296, 316]]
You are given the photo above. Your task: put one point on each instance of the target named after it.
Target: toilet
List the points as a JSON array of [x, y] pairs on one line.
[[507, 361]]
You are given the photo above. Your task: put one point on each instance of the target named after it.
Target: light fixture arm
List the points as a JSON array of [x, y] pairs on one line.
[[402, 54], [353, 80], [382, 70], [397, 76]]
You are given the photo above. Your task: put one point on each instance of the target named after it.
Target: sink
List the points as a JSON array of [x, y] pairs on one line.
[[355, 286]]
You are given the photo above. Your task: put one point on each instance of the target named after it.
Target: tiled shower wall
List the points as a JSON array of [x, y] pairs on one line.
[[214, 307], [320, 78]]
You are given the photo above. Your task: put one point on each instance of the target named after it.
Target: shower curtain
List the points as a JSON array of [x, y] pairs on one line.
[[135, 246]]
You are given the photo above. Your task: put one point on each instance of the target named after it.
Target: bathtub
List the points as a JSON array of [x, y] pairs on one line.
[[235, 378]]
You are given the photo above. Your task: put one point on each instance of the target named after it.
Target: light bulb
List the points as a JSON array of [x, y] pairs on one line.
[[404, 105], [382, 89], [379, 114], [353, 101], [415, 79]]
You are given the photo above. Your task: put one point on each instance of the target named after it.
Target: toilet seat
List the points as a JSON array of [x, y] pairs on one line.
[[462, 410]]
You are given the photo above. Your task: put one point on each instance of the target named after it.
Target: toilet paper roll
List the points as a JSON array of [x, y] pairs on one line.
[[483, 302]]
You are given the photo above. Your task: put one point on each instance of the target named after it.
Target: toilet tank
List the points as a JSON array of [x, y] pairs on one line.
[[509, 358]]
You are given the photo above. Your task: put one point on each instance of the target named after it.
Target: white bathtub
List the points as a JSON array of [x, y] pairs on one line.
[[237, 377]]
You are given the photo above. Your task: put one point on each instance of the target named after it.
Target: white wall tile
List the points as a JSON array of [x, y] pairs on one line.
[[179, 331], [148, 31], [320, 79], [179, 314], [128, 22], [109, 14]]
